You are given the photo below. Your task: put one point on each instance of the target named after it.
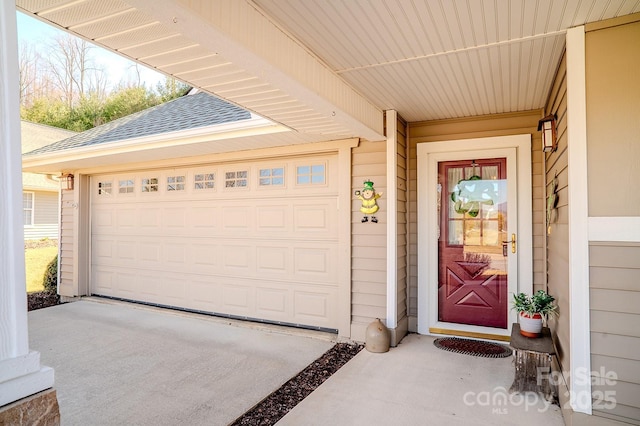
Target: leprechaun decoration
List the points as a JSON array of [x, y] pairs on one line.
[[368, 196]]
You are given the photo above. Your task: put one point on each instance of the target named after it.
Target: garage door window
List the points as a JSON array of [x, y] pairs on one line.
[[104, 188], [310, 174], [150, 185], [272, 177], [204, 181], [126, 186], [236, 179], [175, 183]]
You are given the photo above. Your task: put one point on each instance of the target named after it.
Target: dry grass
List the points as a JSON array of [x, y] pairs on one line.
[[36, 261]]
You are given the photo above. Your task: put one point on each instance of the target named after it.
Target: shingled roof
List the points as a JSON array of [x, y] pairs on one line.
[[187, 112]]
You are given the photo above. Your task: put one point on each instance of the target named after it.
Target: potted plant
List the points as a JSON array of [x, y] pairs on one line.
[[533, 310]]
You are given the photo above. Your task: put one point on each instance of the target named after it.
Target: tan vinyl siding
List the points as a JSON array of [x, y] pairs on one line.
[[66, 244], [556, 164], [615, 324], [467, 128], [368, 241], [45, 216], [613, 120], [613, 149]]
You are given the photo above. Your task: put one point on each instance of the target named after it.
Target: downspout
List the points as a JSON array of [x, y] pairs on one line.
[[392, 223], [545, 267]]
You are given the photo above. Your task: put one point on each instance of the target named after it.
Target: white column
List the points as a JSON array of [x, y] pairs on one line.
[[580, 333], [20, 372]]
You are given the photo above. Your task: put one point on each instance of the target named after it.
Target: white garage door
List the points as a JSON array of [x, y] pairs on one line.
[[255, 239]]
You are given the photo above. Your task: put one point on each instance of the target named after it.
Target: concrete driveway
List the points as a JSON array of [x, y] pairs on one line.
[[118, 363]]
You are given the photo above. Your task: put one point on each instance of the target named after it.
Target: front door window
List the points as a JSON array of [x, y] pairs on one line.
[[472, 258]]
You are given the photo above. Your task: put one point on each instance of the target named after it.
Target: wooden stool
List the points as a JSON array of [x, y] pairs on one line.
[[532, 359]]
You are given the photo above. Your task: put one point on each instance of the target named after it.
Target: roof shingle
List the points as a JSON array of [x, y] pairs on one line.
[[187, 112]]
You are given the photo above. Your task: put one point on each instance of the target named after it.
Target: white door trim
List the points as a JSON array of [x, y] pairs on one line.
[[427, 155]]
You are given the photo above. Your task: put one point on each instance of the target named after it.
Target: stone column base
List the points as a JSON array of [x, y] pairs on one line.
[[40, 409]]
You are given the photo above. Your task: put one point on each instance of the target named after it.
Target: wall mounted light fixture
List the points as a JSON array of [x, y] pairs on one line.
[[67, 181], [549, 136]]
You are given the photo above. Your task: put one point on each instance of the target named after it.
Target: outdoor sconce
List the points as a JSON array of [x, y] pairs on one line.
[[549, 136], [67, 181]]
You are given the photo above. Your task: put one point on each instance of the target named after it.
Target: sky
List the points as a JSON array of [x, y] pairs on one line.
[[37, 33]]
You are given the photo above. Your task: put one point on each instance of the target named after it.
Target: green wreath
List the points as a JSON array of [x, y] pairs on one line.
[[472, 208]]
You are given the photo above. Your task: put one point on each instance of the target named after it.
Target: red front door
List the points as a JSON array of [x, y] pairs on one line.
[[472, 259]]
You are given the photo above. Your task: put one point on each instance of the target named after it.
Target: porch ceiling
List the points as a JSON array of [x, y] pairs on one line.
[[330, 68]]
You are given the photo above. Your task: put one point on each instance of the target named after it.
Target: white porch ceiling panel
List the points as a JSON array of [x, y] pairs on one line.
[[329, 67], [435, 59]]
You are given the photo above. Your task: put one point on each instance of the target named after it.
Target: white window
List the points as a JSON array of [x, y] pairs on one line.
[[104, 188], [204, 181], [313, 174], [150, 185], [236, 179], [272, 177], [175, 183], [27, 208], [126, 186]]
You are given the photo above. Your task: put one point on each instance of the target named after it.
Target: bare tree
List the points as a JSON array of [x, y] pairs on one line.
[[136, 68], [29, 61], [73, 70]]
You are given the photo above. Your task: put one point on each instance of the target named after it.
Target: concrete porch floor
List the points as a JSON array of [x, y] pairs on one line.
[[118, 363], [419, 384]]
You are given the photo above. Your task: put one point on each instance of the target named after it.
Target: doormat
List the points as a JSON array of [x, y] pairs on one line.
[[472, 347]]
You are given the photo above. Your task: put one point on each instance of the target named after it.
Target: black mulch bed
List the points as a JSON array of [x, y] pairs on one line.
[[281, 401], [41, 299]]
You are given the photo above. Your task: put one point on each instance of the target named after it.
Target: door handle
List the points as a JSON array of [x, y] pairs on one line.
[[512, 241]]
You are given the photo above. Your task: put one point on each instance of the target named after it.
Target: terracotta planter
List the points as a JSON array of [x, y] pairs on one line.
[[530, 326]]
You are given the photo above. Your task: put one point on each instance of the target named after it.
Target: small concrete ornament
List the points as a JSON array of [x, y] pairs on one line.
[[368, 196], [377, 337]]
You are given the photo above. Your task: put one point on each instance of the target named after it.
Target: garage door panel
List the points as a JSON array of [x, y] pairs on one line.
[[204, 217], [203, 293], [273, 259], [127, 285], [315, 307], [273, 303], [174, 217], [272, 218], [265, 252], [103, 280], [149, 252], [171, 290], [204, 255], [175, 255], [237, 298], [102, 249], [103, 219], [317, 264], [126, 251], [143, 286], [236, 218], [127, 218], [317, 218], [238, 259]]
